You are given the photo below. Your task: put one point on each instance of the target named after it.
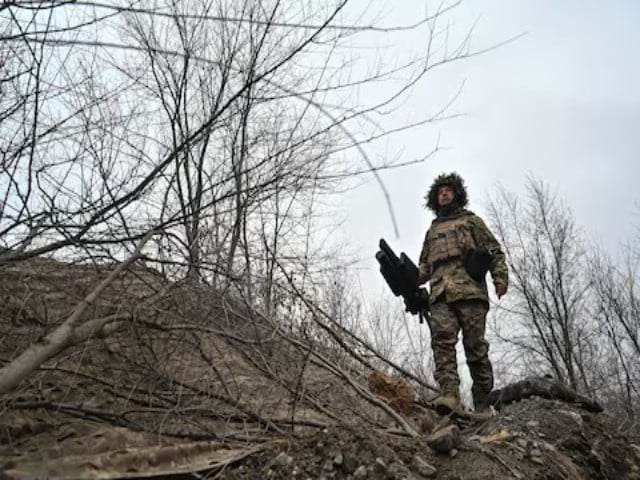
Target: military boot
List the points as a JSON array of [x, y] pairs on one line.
[[447, 403], [482, 407]]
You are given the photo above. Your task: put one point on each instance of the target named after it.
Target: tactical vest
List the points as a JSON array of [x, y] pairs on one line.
[[449, 240]]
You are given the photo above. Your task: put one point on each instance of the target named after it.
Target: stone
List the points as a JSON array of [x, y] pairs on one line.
[[427, 419], [380, 463], [576, 417], [361, 472], [399, 471], [444, 439], [349, 464], [424, 468], [283, 459], [327, 466]]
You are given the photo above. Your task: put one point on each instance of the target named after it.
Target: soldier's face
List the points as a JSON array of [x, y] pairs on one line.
[[445, 195]]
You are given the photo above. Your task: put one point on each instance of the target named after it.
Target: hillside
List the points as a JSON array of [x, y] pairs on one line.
[[173, 380]]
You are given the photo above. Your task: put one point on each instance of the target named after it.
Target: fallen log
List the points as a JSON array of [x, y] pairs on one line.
[[545, 387]]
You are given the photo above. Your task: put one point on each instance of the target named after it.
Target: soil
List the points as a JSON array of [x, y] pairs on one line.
[[537, 439], [195, 386]]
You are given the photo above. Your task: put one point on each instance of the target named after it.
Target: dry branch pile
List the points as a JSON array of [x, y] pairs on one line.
[[179, 379]]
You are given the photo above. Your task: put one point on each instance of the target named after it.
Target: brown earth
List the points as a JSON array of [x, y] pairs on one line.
[[186, 383]]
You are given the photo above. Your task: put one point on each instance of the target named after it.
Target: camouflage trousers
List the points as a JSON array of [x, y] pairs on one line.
[[446, 320]]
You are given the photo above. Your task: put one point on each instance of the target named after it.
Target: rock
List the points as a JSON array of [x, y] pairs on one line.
[[327, 466], [338, 459], [424, 468], [399, 471], [595, 458], [535, 455], [349, 464], [453, 453], [444, 439], [533, 424], [427, 419], [573, 416], [283, 459], [361, 472], [380, 463]]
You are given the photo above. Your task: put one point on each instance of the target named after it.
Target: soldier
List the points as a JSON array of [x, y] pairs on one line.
[[458, 250]]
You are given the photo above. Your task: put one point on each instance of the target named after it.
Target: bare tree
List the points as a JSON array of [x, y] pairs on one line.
[[547, 320], [617, 310], [182, 117], [217, 124]]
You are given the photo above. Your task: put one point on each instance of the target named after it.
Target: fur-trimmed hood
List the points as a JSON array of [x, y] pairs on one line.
[[453, 180]]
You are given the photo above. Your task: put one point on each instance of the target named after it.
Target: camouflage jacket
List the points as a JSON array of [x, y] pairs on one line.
[[443, 252]]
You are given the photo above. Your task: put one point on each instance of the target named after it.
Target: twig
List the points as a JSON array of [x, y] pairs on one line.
[[13, 373]]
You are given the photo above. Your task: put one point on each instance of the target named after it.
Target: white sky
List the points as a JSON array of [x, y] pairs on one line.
[[561, 103]]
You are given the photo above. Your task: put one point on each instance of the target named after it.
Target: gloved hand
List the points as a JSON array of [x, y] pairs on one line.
[[501, 288]]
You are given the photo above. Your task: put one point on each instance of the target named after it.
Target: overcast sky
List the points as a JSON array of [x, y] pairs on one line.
[[561, 103]]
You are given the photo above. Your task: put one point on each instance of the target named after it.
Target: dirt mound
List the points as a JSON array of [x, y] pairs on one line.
[[545, 439], [189, 381], [531, 439]]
